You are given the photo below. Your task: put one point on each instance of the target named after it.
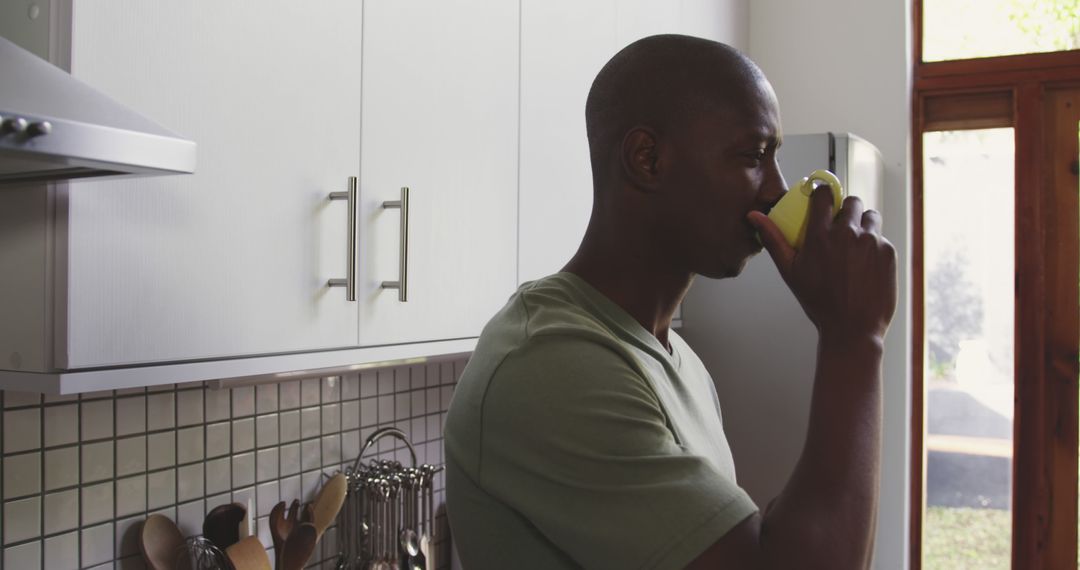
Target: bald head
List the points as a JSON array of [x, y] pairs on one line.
[[661, 82]]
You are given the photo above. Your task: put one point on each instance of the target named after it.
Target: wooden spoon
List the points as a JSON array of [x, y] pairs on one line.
[[279, 530], [328, 502], [299, 546], [222, 525], [160, 542], [248, 554]]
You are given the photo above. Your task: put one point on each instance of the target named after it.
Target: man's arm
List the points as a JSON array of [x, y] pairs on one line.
[[845, 279]]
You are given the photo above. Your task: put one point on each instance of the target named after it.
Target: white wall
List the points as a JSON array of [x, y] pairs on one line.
[[843, 65]]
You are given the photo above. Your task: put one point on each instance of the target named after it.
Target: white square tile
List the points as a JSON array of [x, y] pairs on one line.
[[130, 415], [161, 388], [189, 482], [61, 511], [22, 475], [266, 464], [331, 418], [289, 426], [331, 389], [22, 430], [418, 377], [62, 552], [402, 406], [243, 435], [266, 430], [161, 489], [61, 467], [218, 439], [446, 372], [14, 399], [131, 455], [369, 411], [264, 536], [189, 407], [266, 398], [310, 454], [161, 411], [97, 503], [419, 403], [127, 535], [369, 384], [97, 461], [434, 426], [267, 495], [289, 395], [331, 450], [161, 450], [130, 495], [23, 556], [310, 481], [445, 393], [350, 446], [97, 419], [402, 379], [289, 489], [350, 415], [22, 519], [243, 471], [350, 387], [419, 429], [386, 409], [97, 544], [290, 459], [189, 445], [217, 404], [61, 425], [310, 422], [190, 517], [310, 390], [386, 381], [243, 401], [218, 475]]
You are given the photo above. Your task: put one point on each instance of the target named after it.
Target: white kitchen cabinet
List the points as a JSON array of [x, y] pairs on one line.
[[564, 44], [440, 116], [232, 260]]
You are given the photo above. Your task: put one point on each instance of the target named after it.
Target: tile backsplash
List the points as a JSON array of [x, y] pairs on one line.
[[79, 474]]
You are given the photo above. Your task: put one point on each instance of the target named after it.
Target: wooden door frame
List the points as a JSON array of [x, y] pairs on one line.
[[1047, 333]]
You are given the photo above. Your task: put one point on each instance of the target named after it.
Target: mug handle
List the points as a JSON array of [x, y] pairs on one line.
[[829, 178]]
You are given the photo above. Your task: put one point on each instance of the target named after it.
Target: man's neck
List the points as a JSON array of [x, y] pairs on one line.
[[634, 282]]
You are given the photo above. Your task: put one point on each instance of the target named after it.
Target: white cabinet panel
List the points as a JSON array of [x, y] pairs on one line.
[[233, 259], [440, 116]]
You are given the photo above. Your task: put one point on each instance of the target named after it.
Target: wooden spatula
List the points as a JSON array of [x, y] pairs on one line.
[[160, 542], [328, 502], [299, 546], [248, 554]]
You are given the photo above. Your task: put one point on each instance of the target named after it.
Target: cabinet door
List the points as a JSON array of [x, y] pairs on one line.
[[440, 116], [232, 260]]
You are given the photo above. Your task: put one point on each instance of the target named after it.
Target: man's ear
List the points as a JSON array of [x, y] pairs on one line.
[[640, 158]]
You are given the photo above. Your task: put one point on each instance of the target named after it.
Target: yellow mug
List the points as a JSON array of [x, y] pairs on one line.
[[792, 211]]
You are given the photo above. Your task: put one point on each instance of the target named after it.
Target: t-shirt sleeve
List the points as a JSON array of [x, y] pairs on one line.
[[575, 440]]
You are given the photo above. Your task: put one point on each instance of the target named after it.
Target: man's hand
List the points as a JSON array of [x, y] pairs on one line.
[[845, 275]]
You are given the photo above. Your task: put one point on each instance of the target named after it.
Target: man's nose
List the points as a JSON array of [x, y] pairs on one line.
[[775, 186]]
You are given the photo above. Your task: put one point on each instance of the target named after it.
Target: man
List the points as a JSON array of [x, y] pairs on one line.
[[586, 434]]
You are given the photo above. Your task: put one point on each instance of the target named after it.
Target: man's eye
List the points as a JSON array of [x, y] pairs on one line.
[[758, 154]]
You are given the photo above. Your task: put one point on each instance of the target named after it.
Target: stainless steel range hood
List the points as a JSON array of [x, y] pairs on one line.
[[55, 127]]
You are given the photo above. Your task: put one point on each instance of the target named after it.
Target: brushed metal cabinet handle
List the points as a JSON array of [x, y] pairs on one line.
[[402, 284], [349, 283]]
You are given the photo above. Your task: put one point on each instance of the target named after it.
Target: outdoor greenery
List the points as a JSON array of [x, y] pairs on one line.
[[960, 29], [966, 539], [954, 311]]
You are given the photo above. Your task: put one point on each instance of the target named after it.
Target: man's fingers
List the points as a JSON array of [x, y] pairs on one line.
[[773, 239], [821, 209], [851, 212], [871, 221]]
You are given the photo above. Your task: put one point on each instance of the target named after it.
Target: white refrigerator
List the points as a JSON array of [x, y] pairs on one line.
[[754, 338]]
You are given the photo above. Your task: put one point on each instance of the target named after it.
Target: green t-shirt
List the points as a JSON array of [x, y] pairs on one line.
[[574, 439]]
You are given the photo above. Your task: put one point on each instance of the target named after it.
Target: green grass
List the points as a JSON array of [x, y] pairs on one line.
[[966, 539]]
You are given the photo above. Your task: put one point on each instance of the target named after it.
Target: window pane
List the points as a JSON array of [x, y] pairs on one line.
[[962, 29], [968, 263]]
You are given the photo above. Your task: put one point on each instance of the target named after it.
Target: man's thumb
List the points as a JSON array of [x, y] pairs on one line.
[[773, 239]]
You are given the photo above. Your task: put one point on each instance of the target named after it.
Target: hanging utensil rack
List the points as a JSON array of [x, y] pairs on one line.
[[388, 520]]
